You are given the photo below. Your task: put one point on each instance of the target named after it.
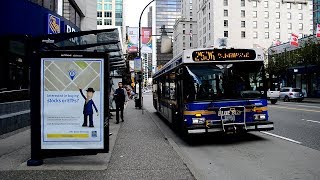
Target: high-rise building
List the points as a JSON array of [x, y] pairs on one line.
[[167, 11], [316, 13], [185, 28], [109, 13], [247, 24], [150, 17]]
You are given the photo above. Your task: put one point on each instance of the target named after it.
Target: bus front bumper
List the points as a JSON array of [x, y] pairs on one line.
[[250, 126]]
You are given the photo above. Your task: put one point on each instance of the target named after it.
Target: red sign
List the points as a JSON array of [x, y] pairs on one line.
[[318, 31], [294, 40]]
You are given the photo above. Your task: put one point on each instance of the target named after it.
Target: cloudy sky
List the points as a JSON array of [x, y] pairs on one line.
[[133, 9]]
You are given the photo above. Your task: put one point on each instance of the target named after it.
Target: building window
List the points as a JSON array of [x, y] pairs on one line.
[[183, 44], [278, 5], [184, 25], [288, 5], [266, 14], [255, 34], [278, 15], [300, 6], [243, 24], [300, 16], [190, 13], [209, 15], [118, 15], [255, 14], [266, 25], [225, 23], [300, 35], [225, 2], [243, 13], [289, 15], [255, 24], [278, 25], [108, 1], [243, 34], [289, 36], [190, 26], [190, 1], [183, 31], [209, 5], [99, 14], [107, 7], [99, 22], [300, 26], [108, 22], [254, 3], [225, 13], [266, 4], [107, 14], [289, 25], [225, 34], [278, 35], [209, 26], [99, 7], [266, 35], [183, 37], [190, 7], [243, 3]]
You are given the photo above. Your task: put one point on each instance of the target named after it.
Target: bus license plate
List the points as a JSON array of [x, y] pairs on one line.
[[229, 118]]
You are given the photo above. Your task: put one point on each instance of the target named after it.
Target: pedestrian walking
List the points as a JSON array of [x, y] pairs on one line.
[[120, 98]]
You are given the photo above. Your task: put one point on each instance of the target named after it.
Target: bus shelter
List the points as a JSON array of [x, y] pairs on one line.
[[70, 89]]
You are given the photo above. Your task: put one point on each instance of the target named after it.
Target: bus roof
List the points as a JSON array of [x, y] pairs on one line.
[[212, 55]]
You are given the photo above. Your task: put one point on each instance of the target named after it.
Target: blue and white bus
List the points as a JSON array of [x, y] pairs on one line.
[[213, 90]]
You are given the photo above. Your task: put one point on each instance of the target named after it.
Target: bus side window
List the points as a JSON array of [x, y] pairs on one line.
[[172, 90]]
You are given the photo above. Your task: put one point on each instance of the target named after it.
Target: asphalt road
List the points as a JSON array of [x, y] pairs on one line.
[[291, 151]]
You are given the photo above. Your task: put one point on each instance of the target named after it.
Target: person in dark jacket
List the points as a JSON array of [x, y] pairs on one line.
[[120, 98], [87, 107]]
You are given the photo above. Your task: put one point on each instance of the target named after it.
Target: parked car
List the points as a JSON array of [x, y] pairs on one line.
[[289, 93], [273, 96]]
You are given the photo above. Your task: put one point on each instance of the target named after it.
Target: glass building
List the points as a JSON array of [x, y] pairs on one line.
[[167, 11], [316, 13]]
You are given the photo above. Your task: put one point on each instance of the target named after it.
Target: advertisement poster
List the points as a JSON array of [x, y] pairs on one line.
[[294, 40], [133, 39], [72, 103], [146, 39], [318, 31]]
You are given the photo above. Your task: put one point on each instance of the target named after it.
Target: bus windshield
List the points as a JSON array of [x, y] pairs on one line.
[[217, 81]]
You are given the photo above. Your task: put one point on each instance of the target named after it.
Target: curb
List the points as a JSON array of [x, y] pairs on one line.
[[176, 148]]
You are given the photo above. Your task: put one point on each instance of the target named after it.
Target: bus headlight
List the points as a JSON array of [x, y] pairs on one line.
[[259, 117], [198, 120]]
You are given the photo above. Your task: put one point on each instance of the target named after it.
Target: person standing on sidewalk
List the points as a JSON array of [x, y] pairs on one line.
[[120, 98]]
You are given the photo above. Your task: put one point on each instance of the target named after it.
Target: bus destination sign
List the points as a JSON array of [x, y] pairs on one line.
[[224, 54]]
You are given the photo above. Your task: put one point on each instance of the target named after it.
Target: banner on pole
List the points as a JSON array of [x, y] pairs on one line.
[[146, 39], [137, 64], [133, 39], [294, 40]]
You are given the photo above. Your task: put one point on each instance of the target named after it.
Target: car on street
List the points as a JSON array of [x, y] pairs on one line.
[[289, 93], [273, 96]]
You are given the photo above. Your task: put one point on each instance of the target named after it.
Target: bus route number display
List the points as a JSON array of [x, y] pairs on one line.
[[224, 54]]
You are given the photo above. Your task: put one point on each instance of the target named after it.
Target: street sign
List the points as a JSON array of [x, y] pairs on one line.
[[72, 93]]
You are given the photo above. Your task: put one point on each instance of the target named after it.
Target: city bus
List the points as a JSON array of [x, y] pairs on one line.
[[213, 90]]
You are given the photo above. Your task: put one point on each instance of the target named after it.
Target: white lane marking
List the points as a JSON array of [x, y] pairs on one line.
[[299, 105], [291, 108], [281, 137], [310, 120]]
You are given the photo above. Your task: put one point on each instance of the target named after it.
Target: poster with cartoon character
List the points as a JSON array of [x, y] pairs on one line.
[[72, 103]]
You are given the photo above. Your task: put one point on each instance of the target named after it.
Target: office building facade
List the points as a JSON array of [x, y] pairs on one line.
[[248, 24], [167, 11], [185, 28]]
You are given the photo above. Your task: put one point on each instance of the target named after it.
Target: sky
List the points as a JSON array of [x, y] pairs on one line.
[[133, 9]]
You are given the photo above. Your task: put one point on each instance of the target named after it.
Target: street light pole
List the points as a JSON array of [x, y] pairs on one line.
[[140, 80]]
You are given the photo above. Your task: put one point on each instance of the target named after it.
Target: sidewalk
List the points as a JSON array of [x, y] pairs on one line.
[[138, 150]]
